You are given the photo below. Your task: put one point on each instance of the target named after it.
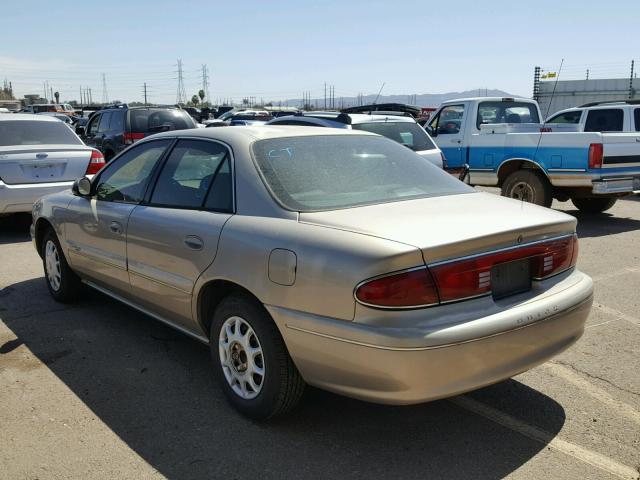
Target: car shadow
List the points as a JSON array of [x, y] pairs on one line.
[[15, 228], [152, 386], [599, 225]]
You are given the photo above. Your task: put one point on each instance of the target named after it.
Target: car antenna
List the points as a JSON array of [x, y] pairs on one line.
[[378, 96], [544, 120]]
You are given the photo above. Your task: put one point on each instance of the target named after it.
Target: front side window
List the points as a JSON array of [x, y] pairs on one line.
[[567, 117], [125, 179], [448, 121], [92, 129], [196, 174], [604, 120], [105, 118], [327, 172], [506, 112], [409, 134]]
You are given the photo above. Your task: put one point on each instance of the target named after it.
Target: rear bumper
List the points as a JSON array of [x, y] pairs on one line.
[[380, 370], [20, 197], [621, 184]]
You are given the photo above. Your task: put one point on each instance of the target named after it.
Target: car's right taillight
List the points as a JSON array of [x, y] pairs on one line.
[[596, 152], [95, 163], [129, 138]]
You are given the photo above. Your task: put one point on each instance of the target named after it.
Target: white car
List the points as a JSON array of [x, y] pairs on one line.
[[39, 155], [404, 130], [622, 116]]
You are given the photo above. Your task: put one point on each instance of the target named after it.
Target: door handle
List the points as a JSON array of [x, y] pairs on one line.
[[115, 227], [456, 141], [193, 242]]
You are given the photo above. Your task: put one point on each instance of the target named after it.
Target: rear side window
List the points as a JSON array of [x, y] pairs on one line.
[[27, 132], [154, 120], [567, 117], [636, 117], [408, 134], [195, 174], [604, 120]]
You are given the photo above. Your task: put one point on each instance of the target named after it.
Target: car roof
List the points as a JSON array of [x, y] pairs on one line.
[[333, 118], [28, 116], [487, 99], [261, 132], [365, 118]]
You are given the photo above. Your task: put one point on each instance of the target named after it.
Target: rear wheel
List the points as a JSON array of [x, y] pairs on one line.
[[529, 186], [251, 361], [63, 284], [594, 204]]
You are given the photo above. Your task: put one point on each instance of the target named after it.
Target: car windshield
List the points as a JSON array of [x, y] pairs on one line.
[[159, 120], [328, 172], [33, 132], [409, 134]]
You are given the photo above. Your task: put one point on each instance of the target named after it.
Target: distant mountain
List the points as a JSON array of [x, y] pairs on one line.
[[422, 100]]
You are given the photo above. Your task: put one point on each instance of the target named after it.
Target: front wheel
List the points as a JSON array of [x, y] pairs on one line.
[[251, 361], [529, 186], [62, 282], [594, 204]]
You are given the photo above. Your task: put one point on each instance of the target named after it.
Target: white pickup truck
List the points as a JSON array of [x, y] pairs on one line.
[[501, 142], [621, 116]]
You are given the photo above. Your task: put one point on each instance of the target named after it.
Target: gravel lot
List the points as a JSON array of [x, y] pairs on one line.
[[97, 390]]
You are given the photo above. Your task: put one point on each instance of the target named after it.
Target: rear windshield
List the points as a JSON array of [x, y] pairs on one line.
[[327, 172], [27, 132], [506, 112], [150, 120], [409, 134]]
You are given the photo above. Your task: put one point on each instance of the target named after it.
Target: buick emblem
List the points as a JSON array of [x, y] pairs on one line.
[[42, 155], [519, 239]]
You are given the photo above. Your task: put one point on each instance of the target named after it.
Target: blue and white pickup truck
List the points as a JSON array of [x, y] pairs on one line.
[[502, 143]]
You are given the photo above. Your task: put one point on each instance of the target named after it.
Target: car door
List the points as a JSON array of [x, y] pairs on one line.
[[91, 130], [447, 128], [173, 237], [96, 228]]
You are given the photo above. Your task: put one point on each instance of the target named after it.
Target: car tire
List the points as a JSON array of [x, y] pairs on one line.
[[63, 284], [250, 359], [594, 204], [529, 186]]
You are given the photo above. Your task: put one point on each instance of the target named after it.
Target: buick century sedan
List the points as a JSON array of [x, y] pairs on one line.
[[334, 258]]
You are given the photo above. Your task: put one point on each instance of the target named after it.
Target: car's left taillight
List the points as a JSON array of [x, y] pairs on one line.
[[408, 289], [95, 163]]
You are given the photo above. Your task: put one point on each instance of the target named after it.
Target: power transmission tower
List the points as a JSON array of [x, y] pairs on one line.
[[105, 95], [181, 94], [205, 82]]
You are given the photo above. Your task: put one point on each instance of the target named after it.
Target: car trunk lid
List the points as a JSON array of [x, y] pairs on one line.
[[451, 226], [43, 163]]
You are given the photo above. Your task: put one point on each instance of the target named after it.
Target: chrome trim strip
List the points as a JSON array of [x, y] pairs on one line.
[[155, 316], [566, 170]]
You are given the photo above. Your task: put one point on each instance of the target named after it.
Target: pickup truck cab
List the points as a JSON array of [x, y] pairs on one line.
[[622, 116], [501, 142]]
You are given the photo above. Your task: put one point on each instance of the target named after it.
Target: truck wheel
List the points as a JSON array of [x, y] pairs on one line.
[[251, 361], [529, 186], [594, 204]]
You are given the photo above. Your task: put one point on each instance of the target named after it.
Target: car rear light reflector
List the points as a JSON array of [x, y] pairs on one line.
[[95, 163], [129, 138], [409, 289], [465, 278], [596, 153]]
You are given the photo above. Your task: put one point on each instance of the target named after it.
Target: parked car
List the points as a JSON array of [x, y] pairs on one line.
[[113, 129], [239, 236], [503, 143], [621, 116], [63, 117], [195, 113], [402, 129], [39, 155]]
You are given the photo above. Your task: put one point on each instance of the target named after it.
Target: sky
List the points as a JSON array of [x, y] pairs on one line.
[[276, 50]]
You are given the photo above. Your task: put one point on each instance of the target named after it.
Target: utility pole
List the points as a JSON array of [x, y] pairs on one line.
[[587, 74], [325, 95], [631, 81], [105, 95], [181, 94], [90, 97], [144, 88]]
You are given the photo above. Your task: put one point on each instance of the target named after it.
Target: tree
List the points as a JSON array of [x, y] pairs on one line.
[[57, 95], [201, 95], [195, 100]]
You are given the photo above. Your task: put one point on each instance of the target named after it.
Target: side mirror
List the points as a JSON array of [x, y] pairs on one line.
[[431, 131], [79, 130], [81, 187]]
